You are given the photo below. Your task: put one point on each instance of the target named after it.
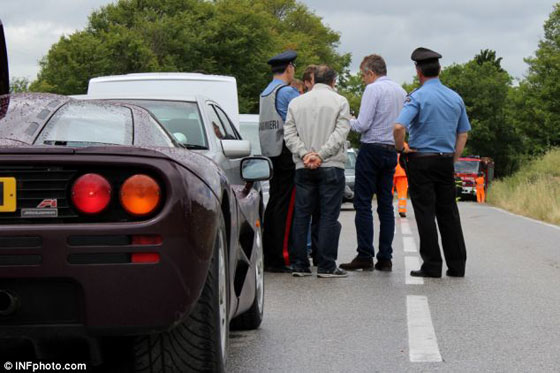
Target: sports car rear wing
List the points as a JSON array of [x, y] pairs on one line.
[[4, 74]]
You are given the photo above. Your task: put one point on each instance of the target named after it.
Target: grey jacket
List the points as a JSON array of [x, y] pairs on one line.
[[318, 121]]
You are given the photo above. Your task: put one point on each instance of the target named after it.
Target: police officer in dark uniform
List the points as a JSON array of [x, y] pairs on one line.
[[436, 120], [277, 222]]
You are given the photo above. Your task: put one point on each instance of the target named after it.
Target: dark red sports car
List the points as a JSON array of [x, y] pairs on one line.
[[116, 243]]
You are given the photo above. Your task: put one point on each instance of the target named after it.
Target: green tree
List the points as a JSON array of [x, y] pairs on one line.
[[18, 85], [535, 104], [488, 55], [484, 87], [228, 37]]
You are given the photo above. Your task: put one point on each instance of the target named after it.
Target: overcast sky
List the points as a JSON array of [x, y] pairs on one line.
[[456, 29]]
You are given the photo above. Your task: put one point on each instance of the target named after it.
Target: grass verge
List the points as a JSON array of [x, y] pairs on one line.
[[533, 191]]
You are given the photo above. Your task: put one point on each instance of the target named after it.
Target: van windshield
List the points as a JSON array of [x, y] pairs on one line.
[[181, 119]]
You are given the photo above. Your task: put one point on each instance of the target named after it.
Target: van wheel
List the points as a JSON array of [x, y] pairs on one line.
[[199, 343], [252, 318]]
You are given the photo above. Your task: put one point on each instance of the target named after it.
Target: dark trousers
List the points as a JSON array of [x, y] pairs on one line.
[[279, 211], [323, 187], [432, 191], [375, 168]]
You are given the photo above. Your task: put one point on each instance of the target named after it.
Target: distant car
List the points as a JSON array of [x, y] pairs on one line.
[[119, 239]]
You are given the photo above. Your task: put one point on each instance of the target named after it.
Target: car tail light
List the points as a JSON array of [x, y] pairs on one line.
[[91, 193], [148, 258], [146, 240], [140, 195]]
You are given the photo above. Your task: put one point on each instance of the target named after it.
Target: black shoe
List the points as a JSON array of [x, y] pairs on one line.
[[402, 214], [421, 273], [384, 265], [365, 264], [281, 269], [452, 273], [337, 272], [301, 272]]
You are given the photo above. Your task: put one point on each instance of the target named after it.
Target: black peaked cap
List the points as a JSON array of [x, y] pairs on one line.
[[283, 58], [424, 54]]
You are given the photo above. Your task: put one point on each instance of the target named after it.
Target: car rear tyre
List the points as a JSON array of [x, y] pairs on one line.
[[199, 343], [252, 318]]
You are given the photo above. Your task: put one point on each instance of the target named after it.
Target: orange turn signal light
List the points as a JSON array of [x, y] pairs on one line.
[[140, 195]]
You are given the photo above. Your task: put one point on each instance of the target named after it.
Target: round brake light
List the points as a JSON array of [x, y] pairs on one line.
[[140, 195], [91, 193]]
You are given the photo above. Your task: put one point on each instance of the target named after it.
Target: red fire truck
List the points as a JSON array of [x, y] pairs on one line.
[[468, 168]]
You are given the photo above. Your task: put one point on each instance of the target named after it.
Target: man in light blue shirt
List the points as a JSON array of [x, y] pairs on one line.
[[436, 120], [273, 107], [381, 103]]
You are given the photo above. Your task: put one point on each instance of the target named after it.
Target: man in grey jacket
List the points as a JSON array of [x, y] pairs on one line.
[[315, 131]]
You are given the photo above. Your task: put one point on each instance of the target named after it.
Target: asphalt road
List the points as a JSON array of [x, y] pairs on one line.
[[504, 316]]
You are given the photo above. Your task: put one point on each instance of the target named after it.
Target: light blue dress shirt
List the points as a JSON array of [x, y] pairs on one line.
[[433, 116], [381, 104], [283, 96]]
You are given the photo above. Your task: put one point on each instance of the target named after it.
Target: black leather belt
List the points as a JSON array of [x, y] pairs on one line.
[[382, 146], [425, 155]]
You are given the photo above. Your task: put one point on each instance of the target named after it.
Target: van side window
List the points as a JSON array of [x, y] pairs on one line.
[[216, 123], [230, 128]]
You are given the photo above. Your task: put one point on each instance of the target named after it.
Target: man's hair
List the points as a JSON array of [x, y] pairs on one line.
[[308, 73], [429, 68], [374, 63], [324, 74], [279, 69]]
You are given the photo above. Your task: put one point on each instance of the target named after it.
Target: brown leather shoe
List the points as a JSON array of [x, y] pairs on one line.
[[384, 265], [358, 264]]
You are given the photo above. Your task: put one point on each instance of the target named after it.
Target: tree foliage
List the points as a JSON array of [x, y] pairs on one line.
[[227, 37], [18, 85], [536, 103]]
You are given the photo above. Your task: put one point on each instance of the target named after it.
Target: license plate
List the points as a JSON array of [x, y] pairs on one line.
[[8, 199]]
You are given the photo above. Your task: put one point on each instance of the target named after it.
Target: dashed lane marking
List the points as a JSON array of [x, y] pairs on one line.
[[422, 341], [412, 263]]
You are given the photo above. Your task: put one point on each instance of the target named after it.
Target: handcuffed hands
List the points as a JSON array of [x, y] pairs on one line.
[[312, 160]]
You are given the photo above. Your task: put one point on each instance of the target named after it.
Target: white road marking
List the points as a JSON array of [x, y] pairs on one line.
[[525, 217], [405, 227], [422, 341], [409, 244], [412, 263]]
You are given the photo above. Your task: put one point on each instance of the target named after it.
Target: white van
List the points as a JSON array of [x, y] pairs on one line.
[[221, 89]]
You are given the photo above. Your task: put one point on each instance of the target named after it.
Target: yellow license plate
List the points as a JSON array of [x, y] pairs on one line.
[[8, 200]]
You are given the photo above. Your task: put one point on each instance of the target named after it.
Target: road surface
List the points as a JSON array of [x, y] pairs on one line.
[[504, 316]]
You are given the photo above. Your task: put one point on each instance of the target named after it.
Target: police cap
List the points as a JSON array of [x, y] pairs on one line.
[[424, 55], [283, 59]]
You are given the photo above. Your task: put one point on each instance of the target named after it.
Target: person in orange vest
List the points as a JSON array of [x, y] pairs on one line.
[[480, 195], [400, 183]]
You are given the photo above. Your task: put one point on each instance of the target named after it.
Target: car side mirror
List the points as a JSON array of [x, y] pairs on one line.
[[236, 148], [256, 169]]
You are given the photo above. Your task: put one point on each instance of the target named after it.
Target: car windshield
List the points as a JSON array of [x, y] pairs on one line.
[[84, 123], [181, 119], [467, 167], [350, 161], [250, 131]]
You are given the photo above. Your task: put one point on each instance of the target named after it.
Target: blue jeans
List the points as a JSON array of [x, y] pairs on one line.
[[375, 167], [323, 187]]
